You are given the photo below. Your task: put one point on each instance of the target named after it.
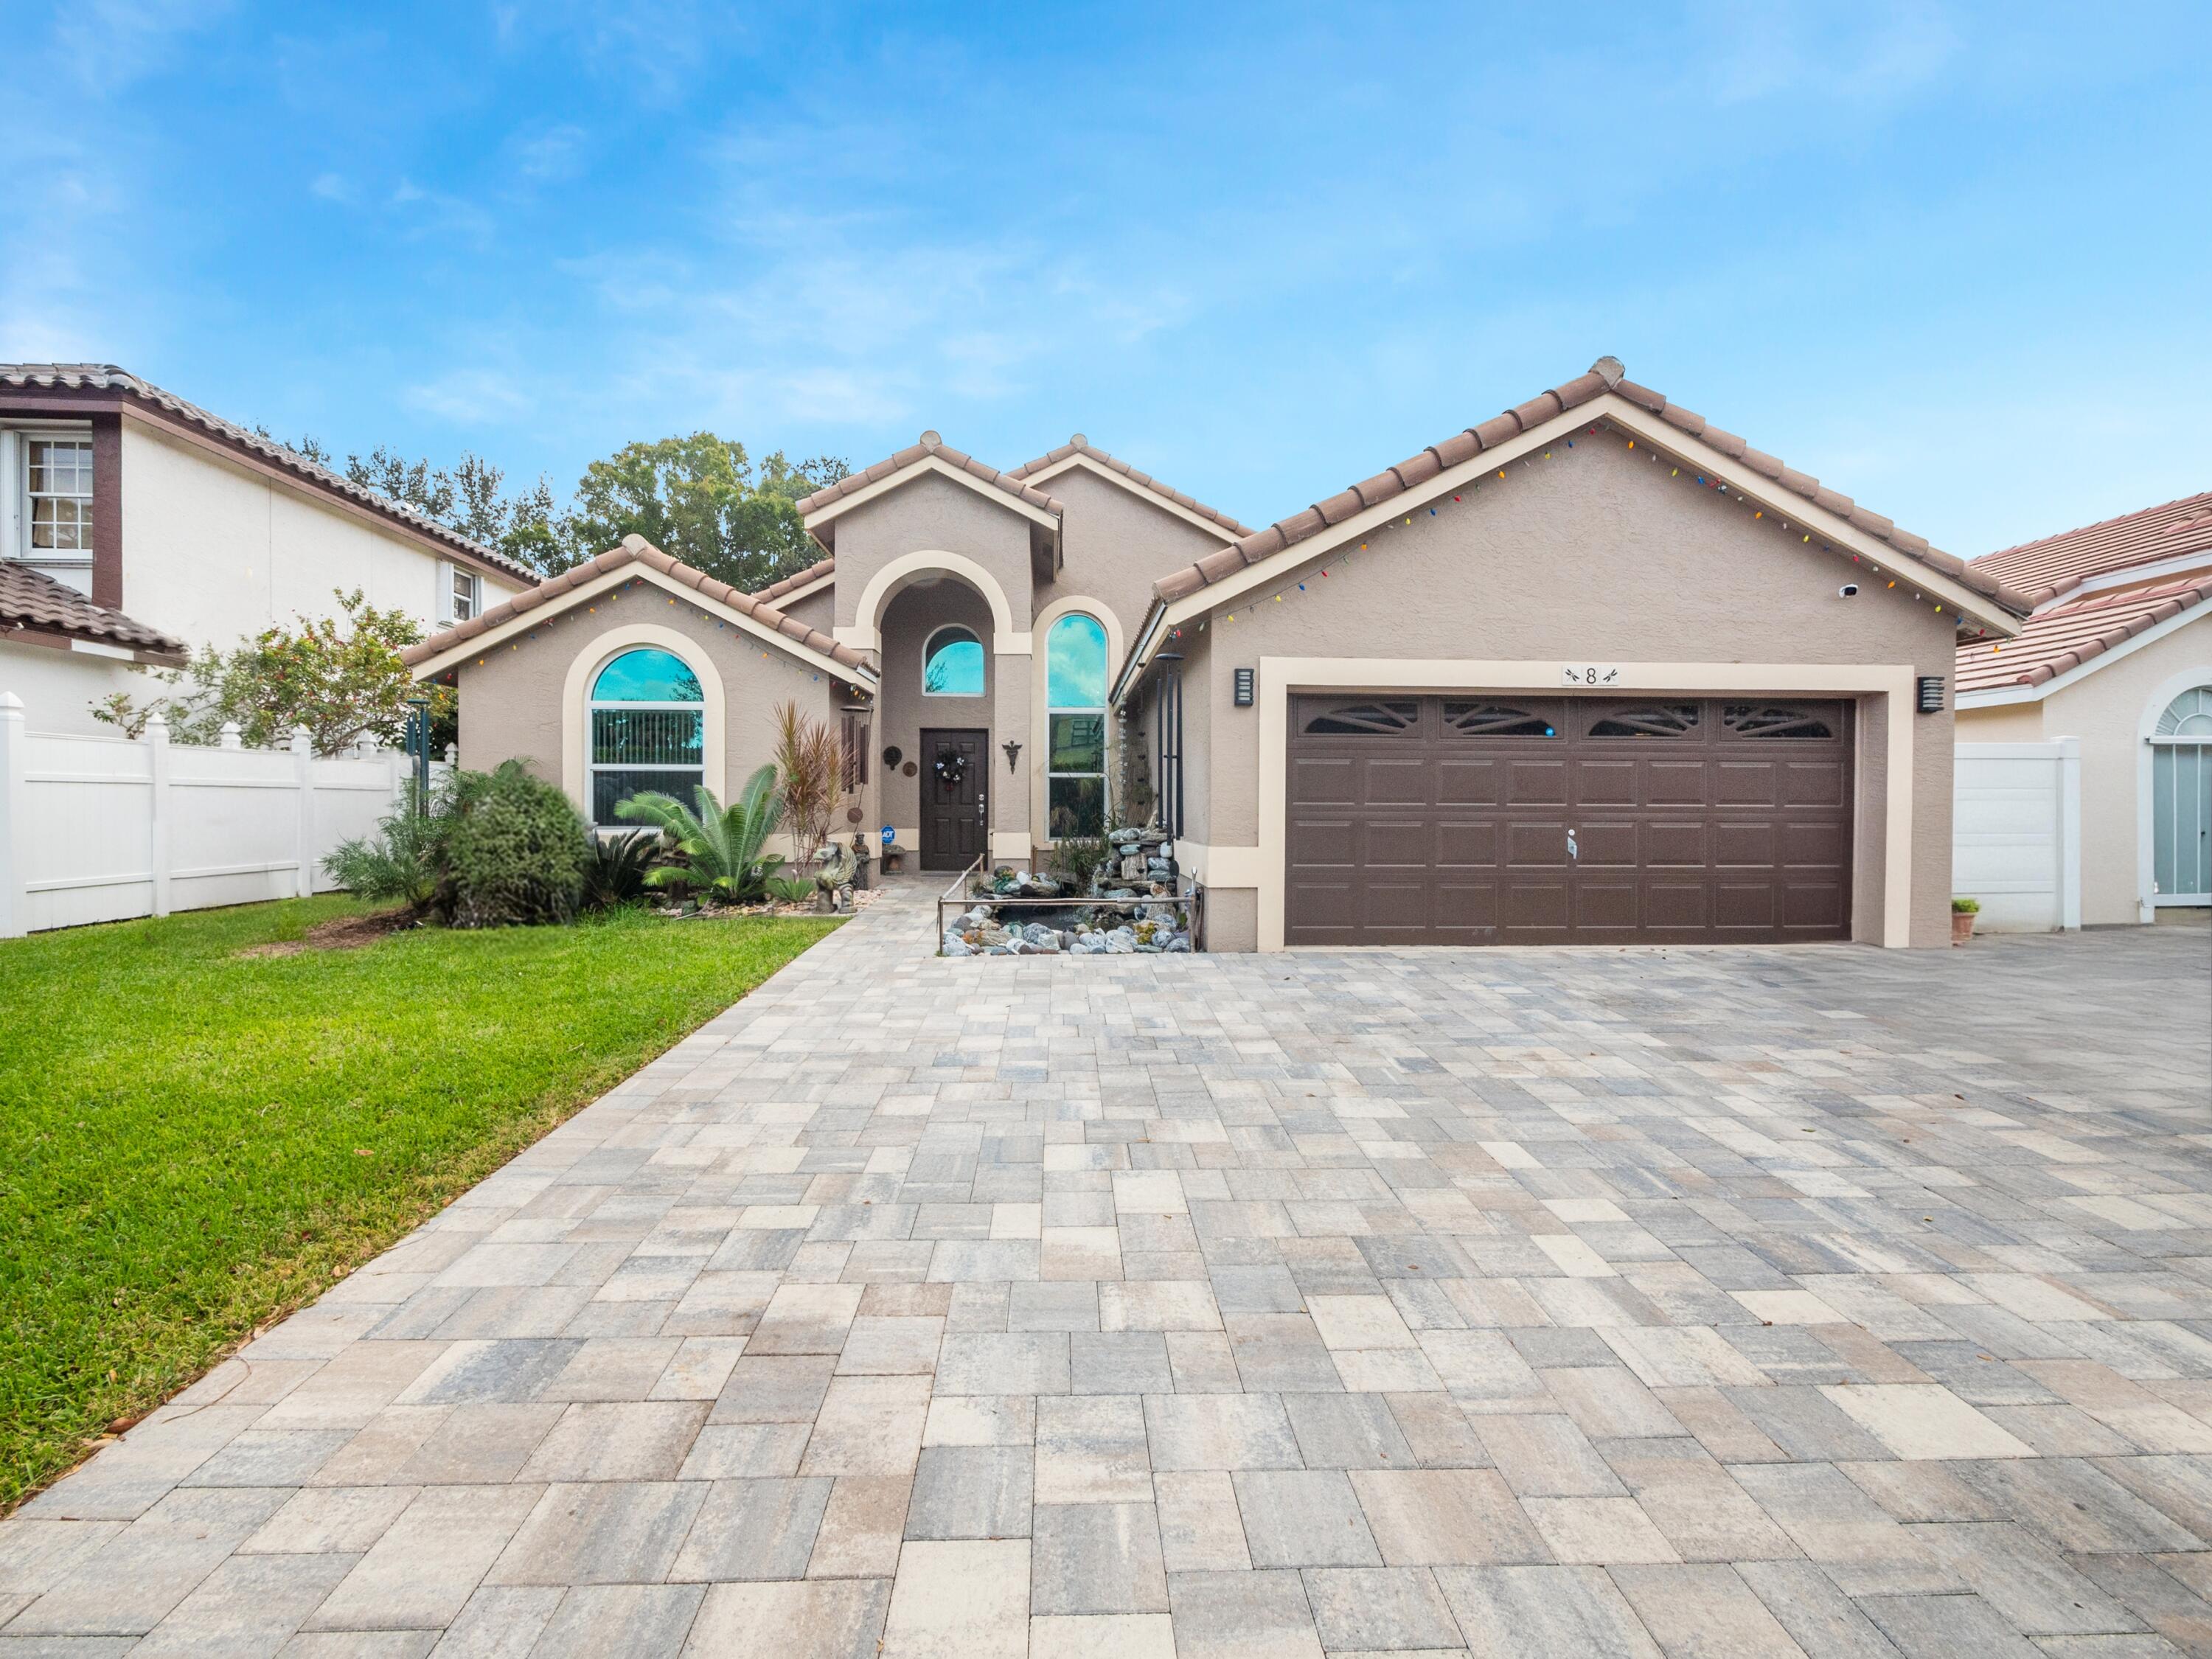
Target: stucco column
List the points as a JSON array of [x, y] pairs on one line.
[[1010, 791]]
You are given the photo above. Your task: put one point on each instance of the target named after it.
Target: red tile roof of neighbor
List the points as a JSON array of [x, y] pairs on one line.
[[31, 599], [2067, 636], [931, 445], [1605, 375], [106, 377], [635, 549], [2050, 566], [1079, 445]]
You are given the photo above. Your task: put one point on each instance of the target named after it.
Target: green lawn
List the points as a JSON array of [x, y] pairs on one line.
[[192, 1141]]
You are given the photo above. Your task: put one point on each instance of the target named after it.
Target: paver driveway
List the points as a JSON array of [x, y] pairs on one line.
[[1586, 1302]]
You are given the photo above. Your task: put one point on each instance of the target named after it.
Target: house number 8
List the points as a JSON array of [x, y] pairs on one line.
[[1590, 674]]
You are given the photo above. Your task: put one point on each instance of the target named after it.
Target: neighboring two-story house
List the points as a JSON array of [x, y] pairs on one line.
[[1592, 671], [136, 527]]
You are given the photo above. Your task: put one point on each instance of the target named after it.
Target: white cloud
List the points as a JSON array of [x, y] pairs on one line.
[[471, 397]]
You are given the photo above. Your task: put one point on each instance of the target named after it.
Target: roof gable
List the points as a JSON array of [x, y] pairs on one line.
[[1078, 452], [931, 456], [1603, 390], [503, 622]]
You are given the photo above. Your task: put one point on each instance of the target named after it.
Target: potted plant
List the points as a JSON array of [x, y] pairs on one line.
[[1963, 912]]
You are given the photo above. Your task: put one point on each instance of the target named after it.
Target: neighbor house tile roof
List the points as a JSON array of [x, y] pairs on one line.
[[2067, 636], [2048, 568], [32, 599], [106, 377], [931, 445], [791, 584], [1605, 375], [635, 549], [1078, 445]]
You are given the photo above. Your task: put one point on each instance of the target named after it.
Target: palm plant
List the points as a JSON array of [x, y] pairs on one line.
[[792, 889], [720, 846], [616, 871]]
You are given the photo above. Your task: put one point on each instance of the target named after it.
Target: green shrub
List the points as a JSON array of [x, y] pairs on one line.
[[792, 889], [515, 851], [1966, 907]]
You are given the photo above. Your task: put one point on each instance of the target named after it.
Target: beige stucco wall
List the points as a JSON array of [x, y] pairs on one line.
[[2106, 709], [2016, 722], [1596, 555], [213, 552], [58, 688], [1116, 545], [931, 514], [513, 700]]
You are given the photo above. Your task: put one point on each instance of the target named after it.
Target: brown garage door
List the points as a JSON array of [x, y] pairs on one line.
[[1505, 820]]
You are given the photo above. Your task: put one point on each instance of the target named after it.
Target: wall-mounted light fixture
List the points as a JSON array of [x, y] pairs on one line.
[[1013, 755], [1931, 694], [1243, 688]]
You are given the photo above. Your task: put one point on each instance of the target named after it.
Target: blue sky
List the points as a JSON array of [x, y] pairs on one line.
[[1955, 260]]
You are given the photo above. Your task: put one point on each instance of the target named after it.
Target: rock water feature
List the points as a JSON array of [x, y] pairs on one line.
[[1150, 920]]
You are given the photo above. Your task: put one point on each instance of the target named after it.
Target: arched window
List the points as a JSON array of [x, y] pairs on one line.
[[2181, 799], [952, 664], [2189, 715], [648, 730], [1075, 704]]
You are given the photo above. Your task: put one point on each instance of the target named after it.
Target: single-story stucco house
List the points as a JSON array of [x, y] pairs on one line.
[[1590, 671], [2117, 655]]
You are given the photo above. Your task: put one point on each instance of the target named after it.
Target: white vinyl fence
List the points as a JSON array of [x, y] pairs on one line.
[[96, 829], [2016, 833]]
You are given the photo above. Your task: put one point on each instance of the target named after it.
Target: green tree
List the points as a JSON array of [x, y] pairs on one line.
[[702, 499], [342, 679]]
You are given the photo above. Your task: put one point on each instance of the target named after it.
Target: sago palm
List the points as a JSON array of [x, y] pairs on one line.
[[721, 845]]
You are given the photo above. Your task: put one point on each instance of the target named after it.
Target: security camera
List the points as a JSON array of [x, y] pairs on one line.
[[1849, 590]]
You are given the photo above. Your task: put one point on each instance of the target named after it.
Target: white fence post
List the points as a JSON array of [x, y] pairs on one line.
[[2069, 833], [303, 764], [13, 921], [157, 772]]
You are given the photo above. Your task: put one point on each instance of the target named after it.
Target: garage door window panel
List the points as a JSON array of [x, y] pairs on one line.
[[1366, 719], [1762, 721], [1647, 721], [1494, 719]]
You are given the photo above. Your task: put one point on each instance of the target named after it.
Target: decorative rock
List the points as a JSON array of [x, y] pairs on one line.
[[1181, 943], [956, 946]]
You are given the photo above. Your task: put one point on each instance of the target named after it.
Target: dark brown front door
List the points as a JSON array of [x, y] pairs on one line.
[[953, 780], [1511, 820]]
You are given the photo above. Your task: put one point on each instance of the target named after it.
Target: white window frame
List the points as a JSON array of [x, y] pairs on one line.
[[72, 567], [1052, 708], [592, 704], [929, 650], [460, 593]]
